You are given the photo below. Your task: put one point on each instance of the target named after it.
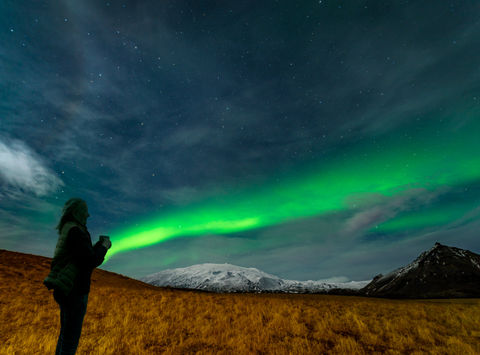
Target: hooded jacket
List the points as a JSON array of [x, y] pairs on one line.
[[74, 260]]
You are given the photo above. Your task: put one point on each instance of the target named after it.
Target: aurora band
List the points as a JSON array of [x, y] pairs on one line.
[[390, 165]]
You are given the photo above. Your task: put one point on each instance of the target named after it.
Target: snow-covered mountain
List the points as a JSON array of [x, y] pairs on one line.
[[441, 272], [232, 278]]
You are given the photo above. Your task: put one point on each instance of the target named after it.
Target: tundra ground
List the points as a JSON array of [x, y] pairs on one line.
[[126, 316]]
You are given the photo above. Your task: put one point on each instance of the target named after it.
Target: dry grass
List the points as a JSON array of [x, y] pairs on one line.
[[125, 316]]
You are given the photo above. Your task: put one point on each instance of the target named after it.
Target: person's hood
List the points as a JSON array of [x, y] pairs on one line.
[[78, 209]]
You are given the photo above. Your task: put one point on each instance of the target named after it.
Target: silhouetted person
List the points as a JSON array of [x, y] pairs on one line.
[[71, 269]]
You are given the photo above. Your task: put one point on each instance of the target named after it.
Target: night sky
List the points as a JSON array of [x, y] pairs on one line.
[[309, 139]]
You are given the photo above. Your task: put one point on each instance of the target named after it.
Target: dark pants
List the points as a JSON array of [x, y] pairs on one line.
[[72, 311]]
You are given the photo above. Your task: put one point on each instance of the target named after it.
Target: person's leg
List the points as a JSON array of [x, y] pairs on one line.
[[58, 350], [74, 309]]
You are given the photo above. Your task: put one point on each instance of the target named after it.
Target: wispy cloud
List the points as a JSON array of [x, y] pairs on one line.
[[22, 168], [379, 208]]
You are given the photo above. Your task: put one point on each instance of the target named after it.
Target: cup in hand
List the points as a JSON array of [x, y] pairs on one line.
[[105, 240]]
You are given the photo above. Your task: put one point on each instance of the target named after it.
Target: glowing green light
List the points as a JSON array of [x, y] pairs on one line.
[[431, 217], [426, 158]]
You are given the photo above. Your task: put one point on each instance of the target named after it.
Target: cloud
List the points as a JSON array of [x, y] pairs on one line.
[[366, 218], [22, 168], [376, 208]]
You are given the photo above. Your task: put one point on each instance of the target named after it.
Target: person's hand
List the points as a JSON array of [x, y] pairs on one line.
[[105, 240]]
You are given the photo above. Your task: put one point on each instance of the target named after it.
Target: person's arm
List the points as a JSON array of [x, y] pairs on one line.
[[80, 246]]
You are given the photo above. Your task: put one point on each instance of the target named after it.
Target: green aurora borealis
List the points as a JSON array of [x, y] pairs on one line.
[[437, 156]]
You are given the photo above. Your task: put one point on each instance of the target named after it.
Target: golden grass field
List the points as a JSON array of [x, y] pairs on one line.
[[126, 316]]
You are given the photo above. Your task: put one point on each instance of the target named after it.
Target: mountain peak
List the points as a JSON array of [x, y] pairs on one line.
[[441, 271]]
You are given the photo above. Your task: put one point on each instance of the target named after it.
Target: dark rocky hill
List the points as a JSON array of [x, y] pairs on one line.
[[441, 272]]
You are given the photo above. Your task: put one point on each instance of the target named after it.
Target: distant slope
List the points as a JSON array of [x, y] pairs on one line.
[[36, 267], [232, 278], [441, 272]]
